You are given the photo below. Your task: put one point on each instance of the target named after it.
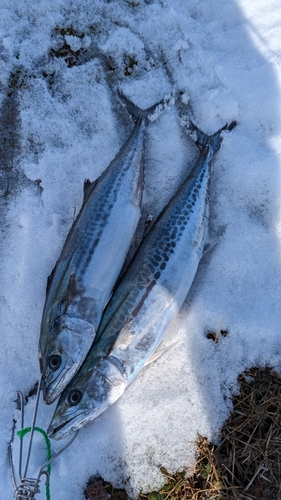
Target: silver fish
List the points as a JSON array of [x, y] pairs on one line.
[[146, 301], [91, 260]]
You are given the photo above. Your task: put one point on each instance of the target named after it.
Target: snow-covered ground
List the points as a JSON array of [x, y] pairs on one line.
[[61, 122]]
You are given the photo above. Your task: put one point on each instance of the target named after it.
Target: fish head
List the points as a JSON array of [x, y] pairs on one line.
[[87, 396], [62, 351]]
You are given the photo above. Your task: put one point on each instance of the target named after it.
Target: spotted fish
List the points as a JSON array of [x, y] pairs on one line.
[[91, 260], [146, 301]]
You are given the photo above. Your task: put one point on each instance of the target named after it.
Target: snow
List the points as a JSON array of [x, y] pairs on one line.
[[225, 58]]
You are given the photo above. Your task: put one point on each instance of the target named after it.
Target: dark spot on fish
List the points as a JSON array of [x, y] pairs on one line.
[[154, 262], [157, 257], [142, 277], [83, 270], [87, 262], [173, 244], [166, 258], [157, 275], [162, 266], [134, 294], [182, 228], [145, 278]]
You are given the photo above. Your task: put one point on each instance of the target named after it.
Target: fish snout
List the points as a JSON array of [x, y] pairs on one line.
[[55, 381]]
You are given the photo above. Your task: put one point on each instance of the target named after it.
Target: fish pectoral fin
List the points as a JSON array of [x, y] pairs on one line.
[[210, 244], [153, 357], [159, 352], [73, 288], [125, 336]]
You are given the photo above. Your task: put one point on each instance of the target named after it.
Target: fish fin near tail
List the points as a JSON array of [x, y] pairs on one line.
[[210, 243], [202, 140], [150, 114]]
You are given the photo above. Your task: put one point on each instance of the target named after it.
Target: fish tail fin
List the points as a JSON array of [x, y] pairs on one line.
[[149, 114], [201, 139]]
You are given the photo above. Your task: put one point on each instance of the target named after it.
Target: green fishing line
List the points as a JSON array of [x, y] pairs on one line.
[[22, 432]]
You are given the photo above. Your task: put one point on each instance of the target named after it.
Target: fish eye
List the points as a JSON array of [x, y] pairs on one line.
[[74, 397], [54, 362]]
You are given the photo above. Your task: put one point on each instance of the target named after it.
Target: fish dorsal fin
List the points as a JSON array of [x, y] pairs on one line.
[[89, 186]]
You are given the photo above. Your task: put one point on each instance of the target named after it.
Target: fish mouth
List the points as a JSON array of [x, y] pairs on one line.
[[54, 432], [52, 391], [63, 430]]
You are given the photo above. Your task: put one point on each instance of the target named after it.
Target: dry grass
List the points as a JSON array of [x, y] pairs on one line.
[[247, 464], [250, 453]]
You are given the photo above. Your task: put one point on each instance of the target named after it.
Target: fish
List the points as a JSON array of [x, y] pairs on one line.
[[147, 299], [92, 257]]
